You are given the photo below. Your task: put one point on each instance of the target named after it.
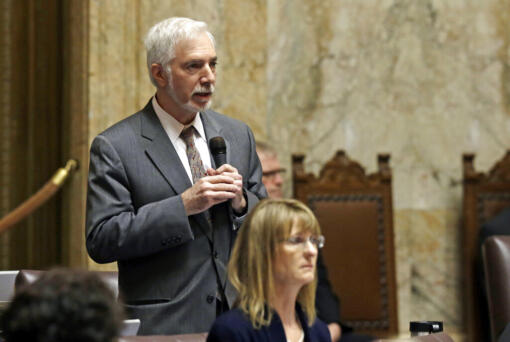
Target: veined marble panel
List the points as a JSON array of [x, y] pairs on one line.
[[427, 263], [425, 81]]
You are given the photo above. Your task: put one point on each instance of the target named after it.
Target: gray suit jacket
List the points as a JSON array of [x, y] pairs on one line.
[[169, 264]]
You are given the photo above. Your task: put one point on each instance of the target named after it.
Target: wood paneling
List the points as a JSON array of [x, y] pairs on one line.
[[42, 110], [75, 123]]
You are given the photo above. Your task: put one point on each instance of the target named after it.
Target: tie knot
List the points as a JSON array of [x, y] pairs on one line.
[[187, 134]]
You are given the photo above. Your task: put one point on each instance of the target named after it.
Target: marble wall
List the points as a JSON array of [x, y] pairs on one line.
[[422, 80]]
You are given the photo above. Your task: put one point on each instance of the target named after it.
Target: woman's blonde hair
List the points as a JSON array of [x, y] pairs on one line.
[[250, 268]]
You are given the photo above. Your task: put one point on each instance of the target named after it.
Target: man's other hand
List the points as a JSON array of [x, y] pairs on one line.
[[206, 192], [218, 186], [238, 202]]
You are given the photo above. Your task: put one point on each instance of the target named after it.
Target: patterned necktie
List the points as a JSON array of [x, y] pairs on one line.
[[194, 160]]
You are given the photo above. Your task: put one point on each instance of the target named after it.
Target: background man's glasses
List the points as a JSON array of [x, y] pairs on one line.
[[273, 173]]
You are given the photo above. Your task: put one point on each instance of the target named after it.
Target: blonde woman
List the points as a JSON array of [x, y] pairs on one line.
[[273, 269]]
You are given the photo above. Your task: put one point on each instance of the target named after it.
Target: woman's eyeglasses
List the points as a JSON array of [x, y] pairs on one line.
[[317, 241]]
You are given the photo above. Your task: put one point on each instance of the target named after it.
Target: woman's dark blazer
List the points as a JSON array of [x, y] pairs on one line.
[[235, 326]]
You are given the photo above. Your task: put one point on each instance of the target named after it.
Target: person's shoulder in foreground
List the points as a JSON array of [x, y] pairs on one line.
[[235, 326]]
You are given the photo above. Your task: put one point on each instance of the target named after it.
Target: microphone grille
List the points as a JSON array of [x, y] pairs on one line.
[[217, 145]]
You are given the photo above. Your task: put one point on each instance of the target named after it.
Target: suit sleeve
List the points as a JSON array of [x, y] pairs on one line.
[[115, 230], [253, 188]]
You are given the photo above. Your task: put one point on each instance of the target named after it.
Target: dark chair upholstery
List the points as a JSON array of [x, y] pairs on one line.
[[496, 261], [29, 276], [356, 217], [484, 196]]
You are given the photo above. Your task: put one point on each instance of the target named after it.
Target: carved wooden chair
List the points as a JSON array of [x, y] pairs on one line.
[[485, 195], [356, 217]]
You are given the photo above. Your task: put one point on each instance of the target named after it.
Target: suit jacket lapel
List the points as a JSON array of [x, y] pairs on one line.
[[162, 153]]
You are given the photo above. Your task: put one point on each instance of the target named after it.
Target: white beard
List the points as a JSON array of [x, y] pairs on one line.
[[188, 105]]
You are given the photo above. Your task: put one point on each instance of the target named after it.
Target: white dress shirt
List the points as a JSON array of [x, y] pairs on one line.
[[173, 129]]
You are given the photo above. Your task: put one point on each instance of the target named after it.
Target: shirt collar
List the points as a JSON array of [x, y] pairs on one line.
[[173, 128]]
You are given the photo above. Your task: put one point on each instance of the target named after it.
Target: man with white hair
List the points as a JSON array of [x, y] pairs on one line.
[[158, 203]]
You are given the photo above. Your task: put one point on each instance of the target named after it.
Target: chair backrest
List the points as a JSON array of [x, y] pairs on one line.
[[496, 260], [484, 196], [356, 217], [7, 285], [29, 276]]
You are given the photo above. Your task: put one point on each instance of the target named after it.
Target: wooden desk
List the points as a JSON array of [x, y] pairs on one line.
[[440, 337]]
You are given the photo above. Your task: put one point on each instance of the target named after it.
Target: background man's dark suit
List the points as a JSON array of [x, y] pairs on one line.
[[167, 260], [498, 225], [326, 302]]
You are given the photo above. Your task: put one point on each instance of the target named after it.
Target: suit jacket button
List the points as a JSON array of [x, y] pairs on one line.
[[210, 299]]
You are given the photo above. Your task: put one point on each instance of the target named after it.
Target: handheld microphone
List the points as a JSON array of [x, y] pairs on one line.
[[218, 151]]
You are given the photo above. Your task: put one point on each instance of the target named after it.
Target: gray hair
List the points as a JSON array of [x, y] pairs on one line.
[[162, 38], [265, 149]]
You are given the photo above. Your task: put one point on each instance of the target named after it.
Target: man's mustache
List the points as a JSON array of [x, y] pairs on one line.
[[204, 89]]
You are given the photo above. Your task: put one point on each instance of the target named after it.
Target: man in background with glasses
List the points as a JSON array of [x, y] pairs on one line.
[[326, 302], [272, 172]]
